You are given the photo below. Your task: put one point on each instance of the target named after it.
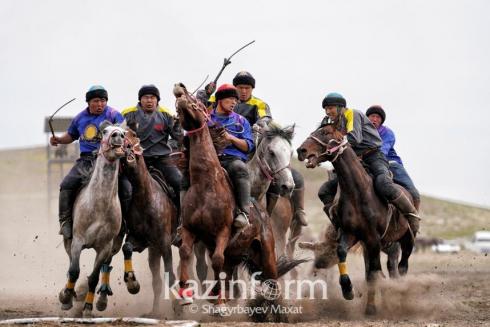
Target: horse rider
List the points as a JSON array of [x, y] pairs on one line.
[[85, 128], [239, 135], [258, 114], [366, 143], [377, 116], [155, 125]]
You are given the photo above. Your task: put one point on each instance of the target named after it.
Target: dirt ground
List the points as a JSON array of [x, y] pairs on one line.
[[440, 290]]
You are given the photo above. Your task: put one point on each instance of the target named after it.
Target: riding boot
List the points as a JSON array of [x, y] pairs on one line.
[[125, 204], [298, 204], [271, 202], [242, 189], [65, 213], [403, 204], [177, 241]]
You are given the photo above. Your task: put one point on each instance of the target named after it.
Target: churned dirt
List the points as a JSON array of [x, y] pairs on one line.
[[440, 290]]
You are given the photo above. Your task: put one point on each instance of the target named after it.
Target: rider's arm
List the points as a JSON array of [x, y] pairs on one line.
[[353, 126], [245, 143], [63, 139]]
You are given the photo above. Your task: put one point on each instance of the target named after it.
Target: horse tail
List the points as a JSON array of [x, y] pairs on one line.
[[283, 266]]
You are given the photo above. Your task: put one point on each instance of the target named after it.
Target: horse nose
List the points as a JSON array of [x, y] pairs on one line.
[[286, 189], [301, 154]]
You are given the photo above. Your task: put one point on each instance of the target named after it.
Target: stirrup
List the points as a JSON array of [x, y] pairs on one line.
[[239, 223]]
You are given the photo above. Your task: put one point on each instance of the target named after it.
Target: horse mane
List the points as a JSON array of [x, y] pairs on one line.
[[273, 129]]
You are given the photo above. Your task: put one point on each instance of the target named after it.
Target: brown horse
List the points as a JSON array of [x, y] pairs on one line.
[[149, 222], [360, 214], [207, 211]]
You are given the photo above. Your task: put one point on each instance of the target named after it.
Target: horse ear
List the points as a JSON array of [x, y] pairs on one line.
[[124, 124], [289, 130], [104, 125]]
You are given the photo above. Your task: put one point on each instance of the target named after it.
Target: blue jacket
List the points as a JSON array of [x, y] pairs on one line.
[[239, 127], [388, 147], [85, 127]]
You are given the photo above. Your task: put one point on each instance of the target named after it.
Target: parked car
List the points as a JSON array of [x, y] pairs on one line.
[[480, 242], [446, 247]]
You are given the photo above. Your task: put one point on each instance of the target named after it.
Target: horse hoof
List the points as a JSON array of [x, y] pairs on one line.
[[131, 283], [101, 304], [370, 310], [133, 287], [66, 297], [346, 285]]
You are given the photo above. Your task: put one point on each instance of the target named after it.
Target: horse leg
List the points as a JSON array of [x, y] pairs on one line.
[[185, 252], [105, 287], [201, 266], [294, 234], [154, 257], [68, 292], [344, 280], [218, 259], [373, 250], [393, 253], [129, 276], [406, 243], [102, 256], [168, 260]]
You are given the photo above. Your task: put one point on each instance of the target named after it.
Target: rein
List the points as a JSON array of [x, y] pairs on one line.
[[338, 149]]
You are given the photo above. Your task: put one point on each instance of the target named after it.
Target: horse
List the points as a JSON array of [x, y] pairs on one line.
[[361, 215], [97, 222], [271, 164], [150, 221], [207, 212]]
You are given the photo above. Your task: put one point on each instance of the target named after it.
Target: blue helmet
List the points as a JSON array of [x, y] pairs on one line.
[[334, 99]]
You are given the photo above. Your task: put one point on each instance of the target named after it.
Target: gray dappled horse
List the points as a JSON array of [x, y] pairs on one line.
[[97, 221]]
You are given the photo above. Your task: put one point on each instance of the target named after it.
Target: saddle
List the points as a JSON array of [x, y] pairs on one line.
[[158, 177]]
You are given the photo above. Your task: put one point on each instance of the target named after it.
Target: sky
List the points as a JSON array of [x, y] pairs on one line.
[[426, 62]]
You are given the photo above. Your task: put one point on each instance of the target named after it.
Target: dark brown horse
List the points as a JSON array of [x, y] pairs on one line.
[[207, 211], [361, 215], [149, 222]]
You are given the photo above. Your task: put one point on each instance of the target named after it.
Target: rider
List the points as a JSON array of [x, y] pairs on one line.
[[85, 128], [377, 116], [153, 125], [258, 114], [366, 143], [239, 134]]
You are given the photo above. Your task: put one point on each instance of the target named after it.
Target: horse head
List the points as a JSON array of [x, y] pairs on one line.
[[112, 144], [273, 154], [134, 151], [324, 144], [192, 113]]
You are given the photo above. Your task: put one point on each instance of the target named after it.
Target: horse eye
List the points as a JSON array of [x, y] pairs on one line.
[[272, 153]]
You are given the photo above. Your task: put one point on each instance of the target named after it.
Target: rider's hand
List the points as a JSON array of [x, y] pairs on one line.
[[54, 140], [210, 88]]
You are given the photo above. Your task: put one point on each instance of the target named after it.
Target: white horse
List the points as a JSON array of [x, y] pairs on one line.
[[97, 222]]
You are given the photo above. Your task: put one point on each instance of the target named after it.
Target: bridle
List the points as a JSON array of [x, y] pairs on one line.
[[337, 150], [198, 107], [266, 169], [105, 146]]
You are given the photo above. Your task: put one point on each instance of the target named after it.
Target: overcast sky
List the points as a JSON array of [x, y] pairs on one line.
[[426, 62]]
